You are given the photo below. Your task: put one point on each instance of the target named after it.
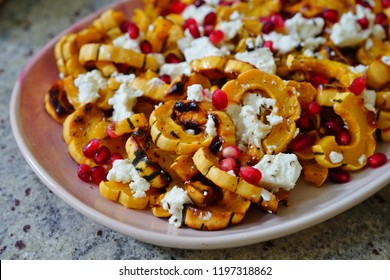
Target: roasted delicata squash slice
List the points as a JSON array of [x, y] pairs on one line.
[[208, 165], [268, 85], [129, 124], [171, 136], [56, 102], [149, 170], [361, 124]]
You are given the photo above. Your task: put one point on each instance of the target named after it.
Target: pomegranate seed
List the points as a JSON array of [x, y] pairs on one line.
[[277, 20], [111, 130], [98, 174], [172, 58], [267, 27], [210, 19], [313, 108], [269, 44], [216, 37], [102, 155], [250, 174], [177, 7], [208, 29], [316, 80], [363, 22], [364, 3], [304, 122], [332, 127], [330, 15], [339, 176], [302, 142], [165, 78], [91, 147], [219, 99], [189, 22], [84, 172], [145, 46], [358, 85], [114, 157], [386, 3], [343, 137], [199, 3], [133, 31], [124, 26], [228, 164], [381, 19], [194, 31], [231, 152], [376, 160]]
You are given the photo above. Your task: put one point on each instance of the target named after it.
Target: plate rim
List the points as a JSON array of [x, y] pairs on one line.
[[165, 240]]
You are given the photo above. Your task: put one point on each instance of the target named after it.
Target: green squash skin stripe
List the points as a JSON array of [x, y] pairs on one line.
[[130, 123]]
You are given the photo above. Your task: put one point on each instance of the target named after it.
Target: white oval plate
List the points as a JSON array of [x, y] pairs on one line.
[[40, 141]]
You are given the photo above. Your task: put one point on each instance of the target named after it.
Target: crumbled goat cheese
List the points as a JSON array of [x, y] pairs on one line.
[[229, 28], [386, 60], [174, 201], [362, 159], [303, 27], [254, 129], [262, 59], [335, 157], [124, 41], [195, 93], [369, 97], [266, 195], [122, 78], [89, 85], [155, 82], [197, 13], [175, 69], [279, 171], [359, 69], [123, 101], [210, 130], [202, 47], [123, 171]]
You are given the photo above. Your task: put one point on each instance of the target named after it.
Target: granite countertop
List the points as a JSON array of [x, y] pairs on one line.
[[36, 224]]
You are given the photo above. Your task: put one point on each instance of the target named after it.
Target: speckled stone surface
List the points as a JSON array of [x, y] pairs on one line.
[[35, 224]]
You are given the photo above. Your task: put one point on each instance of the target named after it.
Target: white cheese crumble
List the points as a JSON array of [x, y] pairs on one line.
[[197, 13], [386, 60], [279, 171], [210, 130], [123, 101], [202, 47], [369, 97], [194, 92], [229, 28], [174, 201], [175, 69], [261, 58], [362, 159], [123, 171], [124, 41], [89, 85], [335, 157]]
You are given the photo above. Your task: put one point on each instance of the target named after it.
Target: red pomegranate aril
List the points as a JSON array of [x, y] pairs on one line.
[[219, 99], [302, 142], [330, 15], [250, 174], [89, 150], [208, 29], [165, 78], [267, 27], [189, 22], [386, 3], [228, 164], [343, 137], [210, 19], [313, 108], [381, 19], [304, 122], [111, 130], [98, 174], [332, 127], [124, 26], [269, 44], [133, 31], [216, 37], [277, 20], [363, 22], [114, 157], [102, 155], [231, 152], [84, 172], [177, 7], [199, 3], [339, 176], [194, 31], [376, 160], [146, 47], [172, 58], [358, 85], [316, 80]]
